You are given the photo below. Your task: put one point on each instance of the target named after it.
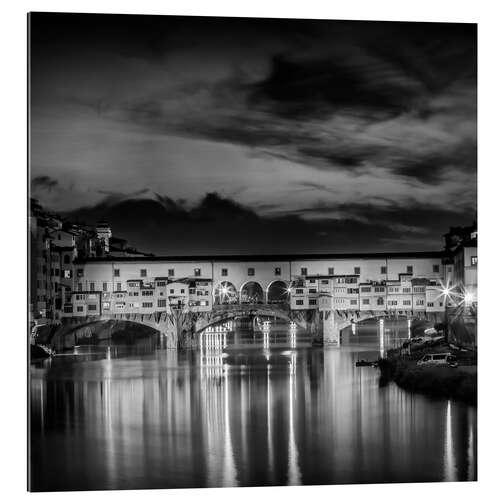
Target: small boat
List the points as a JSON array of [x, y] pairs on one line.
[[364, 362]]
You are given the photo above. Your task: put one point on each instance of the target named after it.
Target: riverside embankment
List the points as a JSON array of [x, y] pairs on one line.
[[460, 383]]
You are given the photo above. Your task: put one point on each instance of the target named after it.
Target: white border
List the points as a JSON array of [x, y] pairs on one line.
[[13, 256]]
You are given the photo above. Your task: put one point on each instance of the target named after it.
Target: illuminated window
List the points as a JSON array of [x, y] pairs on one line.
[[473, 261], [277, 271], [197, 271]]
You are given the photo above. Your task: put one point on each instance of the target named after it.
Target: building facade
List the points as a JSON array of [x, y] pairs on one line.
[[399, 282]]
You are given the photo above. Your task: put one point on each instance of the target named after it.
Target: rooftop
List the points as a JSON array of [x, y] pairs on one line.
[[272, 257]]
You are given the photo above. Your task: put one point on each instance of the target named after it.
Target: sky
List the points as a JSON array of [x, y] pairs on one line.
[[196, 135]]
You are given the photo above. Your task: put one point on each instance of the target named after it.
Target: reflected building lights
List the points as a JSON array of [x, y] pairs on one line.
[[450, 468], [294, 475]]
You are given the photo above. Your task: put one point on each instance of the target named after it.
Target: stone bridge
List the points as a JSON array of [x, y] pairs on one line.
[[183, 328]]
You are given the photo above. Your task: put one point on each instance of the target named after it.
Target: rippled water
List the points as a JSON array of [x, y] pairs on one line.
[[145, 417]]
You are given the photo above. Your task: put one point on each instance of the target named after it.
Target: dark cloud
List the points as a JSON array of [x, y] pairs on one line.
[[380, 112], [44, 182], [218, 225]]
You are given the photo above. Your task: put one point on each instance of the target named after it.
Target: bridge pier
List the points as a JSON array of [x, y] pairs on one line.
[[331, 329]]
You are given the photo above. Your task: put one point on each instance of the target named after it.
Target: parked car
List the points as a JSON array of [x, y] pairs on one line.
[[438, 359]]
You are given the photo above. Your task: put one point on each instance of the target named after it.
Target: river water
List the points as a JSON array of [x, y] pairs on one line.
[[140, 416]]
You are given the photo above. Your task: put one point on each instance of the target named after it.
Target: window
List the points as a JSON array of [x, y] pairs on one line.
[[357, 270], [325, 282], [430, 304], [299, 291], [92, 286], [79, 287], [473, 261], [161, 283], [366, 289], [299, 302], [171, 291], [147, 304], [223, 271], [67, 260], [351, 280], [67, 273], [383, 269], [407, 302], [354, 302], [79, 309], [251, 271], [104, 286], [92, 307], [352, 290], [380, 301], [118, 287], [331, 271], [419, 289], [197, 271], [79, 272], [379, 289], [313, 302], [171, 272], [68, 309], [144, 273], [303, 271], [146, 293], [116, 273], [406, 290], [105, 305], [366, 302], [313, 290], [435, 268], [409, 269], [277, 271], [182, 290], [420, 302]]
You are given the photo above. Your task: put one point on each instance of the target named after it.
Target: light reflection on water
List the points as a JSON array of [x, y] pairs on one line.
[[146, 418]]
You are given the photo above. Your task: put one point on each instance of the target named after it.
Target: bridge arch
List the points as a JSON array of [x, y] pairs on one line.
[[225, 293], [251, 292], [277, 292]]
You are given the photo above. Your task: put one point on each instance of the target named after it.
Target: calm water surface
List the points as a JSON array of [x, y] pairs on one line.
[[140, 416]]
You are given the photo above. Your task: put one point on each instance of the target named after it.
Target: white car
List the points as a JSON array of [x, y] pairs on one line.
[[440, 359]]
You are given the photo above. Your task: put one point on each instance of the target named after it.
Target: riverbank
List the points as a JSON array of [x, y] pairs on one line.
[[440, 381]]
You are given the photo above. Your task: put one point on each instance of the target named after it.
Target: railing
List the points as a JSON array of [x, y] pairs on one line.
[[221, 308]]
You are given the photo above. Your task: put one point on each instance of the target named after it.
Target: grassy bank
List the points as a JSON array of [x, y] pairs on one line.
[[439, 381]]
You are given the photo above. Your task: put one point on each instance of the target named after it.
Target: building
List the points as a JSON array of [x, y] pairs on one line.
[[399, 282]]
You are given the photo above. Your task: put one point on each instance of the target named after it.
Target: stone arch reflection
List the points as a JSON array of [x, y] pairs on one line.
[[225, 293], [251, 293]]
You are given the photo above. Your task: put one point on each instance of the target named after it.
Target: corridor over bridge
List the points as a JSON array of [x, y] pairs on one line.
[[323, 293]]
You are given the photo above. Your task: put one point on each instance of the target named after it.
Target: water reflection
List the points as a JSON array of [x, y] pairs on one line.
[[149, 418]]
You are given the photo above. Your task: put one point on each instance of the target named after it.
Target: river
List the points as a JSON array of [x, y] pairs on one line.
[[140, 416]]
